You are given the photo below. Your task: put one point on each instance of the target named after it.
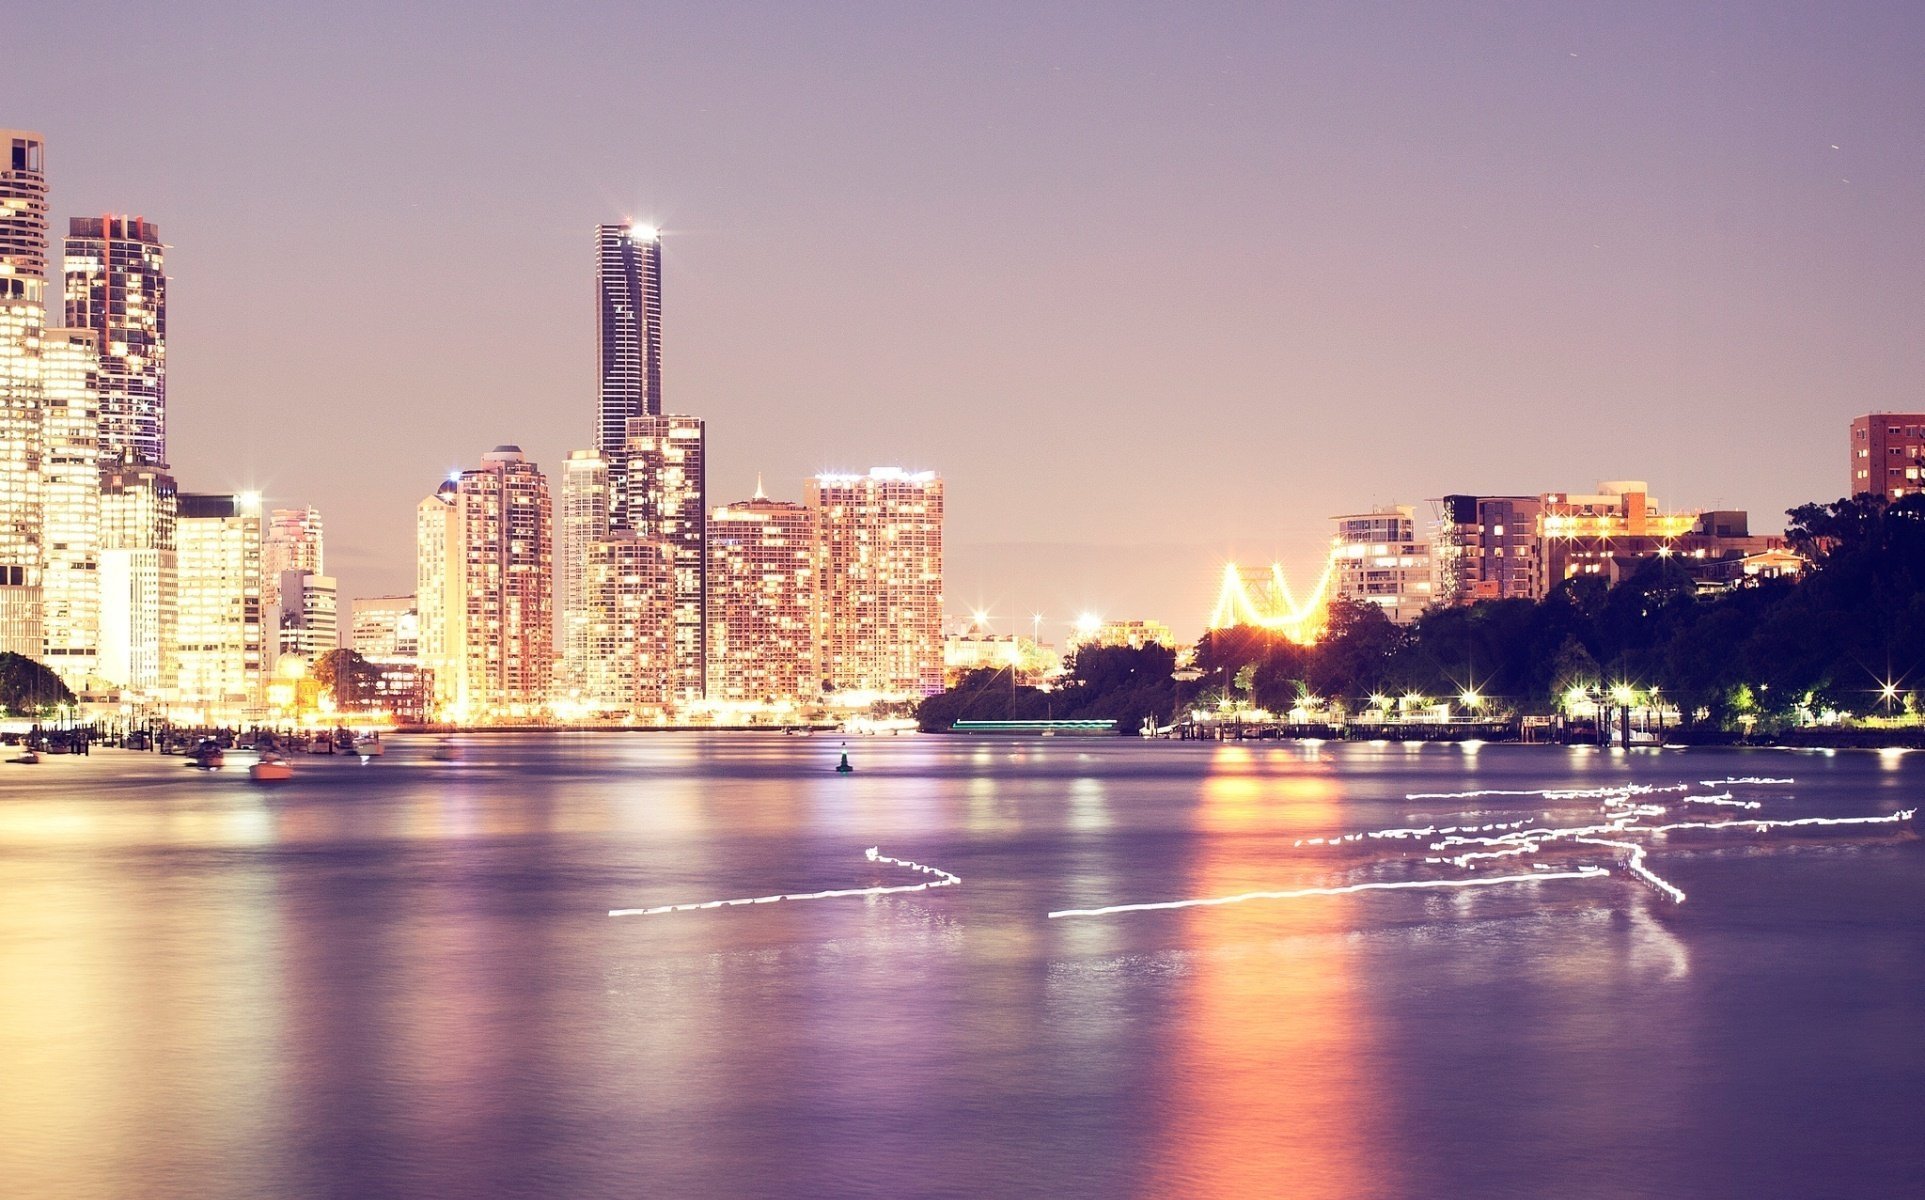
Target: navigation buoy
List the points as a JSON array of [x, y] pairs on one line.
[[843, 767]]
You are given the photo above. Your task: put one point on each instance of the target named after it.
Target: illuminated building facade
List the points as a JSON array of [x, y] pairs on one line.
[[291, 541], [1486, 548], [628, 293], [1521, 547], [138, 577], [880, 554], [440, 583], [219, 654], [666, 477], [70, 503], [1134, 634], [631, 671], [116, 285], [310, 614], [384, 628], [506, 530], [582, 521], [1380, 560], [1888, 455], [762, 634], [23, 319]]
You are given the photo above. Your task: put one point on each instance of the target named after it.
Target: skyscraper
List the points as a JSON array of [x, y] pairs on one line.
[[219, 654], [628, 294], [70, 502], [440, 589], [762, 583], [138, 577], [506, 531], [23, 319], [880, 549], [116, 285], [582, 521], [666, 474]]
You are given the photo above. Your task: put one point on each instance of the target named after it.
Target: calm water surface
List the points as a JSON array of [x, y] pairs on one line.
[[399, 978]]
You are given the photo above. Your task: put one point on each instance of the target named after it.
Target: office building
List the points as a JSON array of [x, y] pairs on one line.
[[138, 578], [666, 473], [219, 653], [628, 293], [70, 503], [1380, 559], [310, 624], [116, 285], [761, 627], [1486, 548], [384, 628], [1888, 455], [879, 539]]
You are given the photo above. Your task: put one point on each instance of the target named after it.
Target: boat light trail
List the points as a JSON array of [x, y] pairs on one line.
[[1401, 885], [1623, 808], [941, 878]]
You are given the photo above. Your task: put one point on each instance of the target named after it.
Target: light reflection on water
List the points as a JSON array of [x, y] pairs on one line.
[[398, 979]]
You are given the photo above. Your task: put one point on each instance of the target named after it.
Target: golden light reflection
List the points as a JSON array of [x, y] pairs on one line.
[[1269, 1060]]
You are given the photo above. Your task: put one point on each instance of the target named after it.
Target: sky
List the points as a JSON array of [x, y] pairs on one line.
[[1152, 286]]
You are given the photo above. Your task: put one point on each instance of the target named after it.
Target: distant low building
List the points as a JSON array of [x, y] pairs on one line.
[[1134, 634], [384, 628]]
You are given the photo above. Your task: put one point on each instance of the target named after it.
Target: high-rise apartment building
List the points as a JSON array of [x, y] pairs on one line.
[[762, 615], [1888, 455], [666, 471], [880, 551], [506, 532], [116, 285], [440, 591], [138, 577], [1379, 559], [70, 503], [581, 522], [628, 595], [23, 319], [219, 654], [628, 294]]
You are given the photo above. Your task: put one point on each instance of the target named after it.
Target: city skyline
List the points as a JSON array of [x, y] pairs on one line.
[[1695, 293]]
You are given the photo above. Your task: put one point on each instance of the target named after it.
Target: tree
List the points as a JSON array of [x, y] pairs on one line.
[[347, 676], [27, 688]]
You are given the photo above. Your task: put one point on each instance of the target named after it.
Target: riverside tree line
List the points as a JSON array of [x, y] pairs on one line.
[[1848, 637]]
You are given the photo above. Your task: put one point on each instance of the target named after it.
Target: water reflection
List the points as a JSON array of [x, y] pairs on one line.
[[1270, 1095]]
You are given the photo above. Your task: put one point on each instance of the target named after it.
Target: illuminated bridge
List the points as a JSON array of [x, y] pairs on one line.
[[1249, 597]]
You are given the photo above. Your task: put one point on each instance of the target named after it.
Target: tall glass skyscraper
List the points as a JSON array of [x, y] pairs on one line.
[[116, 285], [23, 321], [628, 293]]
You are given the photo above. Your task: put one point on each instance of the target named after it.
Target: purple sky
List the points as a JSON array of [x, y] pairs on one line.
[[1149, 286]]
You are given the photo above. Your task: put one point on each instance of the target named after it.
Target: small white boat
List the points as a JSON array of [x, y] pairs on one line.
[[29, 758], [446, 751], [271, 769], [369, 747]]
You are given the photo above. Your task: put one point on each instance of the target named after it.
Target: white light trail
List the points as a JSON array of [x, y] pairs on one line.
[[1403, 885], [1622, 809], [942, 879]]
